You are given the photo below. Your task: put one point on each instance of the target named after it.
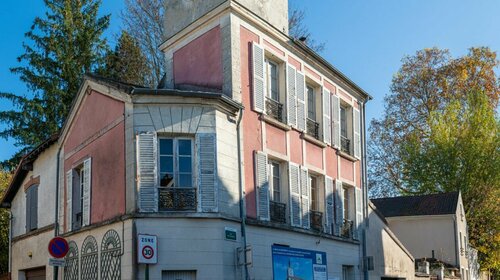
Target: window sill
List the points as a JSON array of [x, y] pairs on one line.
[[346, 156], [274, 122], [313, 140], [33, 232]]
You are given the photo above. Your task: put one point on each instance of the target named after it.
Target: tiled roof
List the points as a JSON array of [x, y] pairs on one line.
[[421, 205]]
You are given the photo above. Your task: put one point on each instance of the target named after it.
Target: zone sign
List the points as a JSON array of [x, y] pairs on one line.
[[147, 249]]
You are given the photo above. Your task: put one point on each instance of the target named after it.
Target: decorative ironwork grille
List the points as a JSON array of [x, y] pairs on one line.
[[89, 262], [277, 212], [312, 128], [111, 256], [345, 144], [274, 109], [177, 199], [316, 220], [71, 268], [347, 229]]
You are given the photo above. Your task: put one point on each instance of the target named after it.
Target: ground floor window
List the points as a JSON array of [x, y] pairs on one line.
[[347, 272]]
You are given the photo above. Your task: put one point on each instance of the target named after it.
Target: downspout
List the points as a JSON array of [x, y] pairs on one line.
[[243, 213], [56, 210], [364, 183], [10, 242]]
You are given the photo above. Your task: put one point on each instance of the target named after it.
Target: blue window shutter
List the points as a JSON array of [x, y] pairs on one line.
[[262, 186], [329, 205], [147, 178], [305, 190], [295, 199], [339, 207], [207, 171]]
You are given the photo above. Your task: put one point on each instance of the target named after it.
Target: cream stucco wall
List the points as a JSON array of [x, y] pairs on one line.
[[36, 246], [390, 257]]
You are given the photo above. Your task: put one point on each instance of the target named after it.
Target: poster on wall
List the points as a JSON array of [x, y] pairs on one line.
[[298, 264]]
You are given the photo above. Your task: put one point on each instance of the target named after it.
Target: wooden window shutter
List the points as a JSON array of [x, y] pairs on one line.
[[28, 210], [258, 65], [335, 121], [207, 171], [291, 96], [329, 205], [327, 124], [339, 207], [34, 207], [69, 196], [356, 118], [359, 213], [295, 199], [147, 180], [87, 190], [305, 190], [301, 101], [262, 186]]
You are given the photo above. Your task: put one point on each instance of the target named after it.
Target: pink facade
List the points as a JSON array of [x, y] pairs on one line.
[[295, 63], [199, 63], [296, 147], [312, 73], [346, 169], [314, 155], [274, 49], [276, 139], [100, 135], [331, 163]]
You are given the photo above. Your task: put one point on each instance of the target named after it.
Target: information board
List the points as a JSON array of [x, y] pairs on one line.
[[298, 264]]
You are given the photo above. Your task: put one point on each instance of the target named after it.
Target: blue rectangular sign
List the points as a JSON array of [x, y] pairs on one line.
[[298, 264]]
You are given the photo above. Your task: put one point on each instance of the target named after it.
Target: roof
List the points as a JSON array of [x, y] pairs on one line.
[[23, 168], [421, 205]]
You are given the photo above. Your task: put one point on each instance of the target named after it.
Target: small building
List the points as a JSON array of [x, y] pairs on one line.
[[431, 227]]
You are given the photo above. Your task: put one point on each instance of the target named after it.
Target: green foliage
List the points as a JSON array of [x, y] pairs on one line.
[[4, 225], [61, 48], [462, 152], [126, 63]]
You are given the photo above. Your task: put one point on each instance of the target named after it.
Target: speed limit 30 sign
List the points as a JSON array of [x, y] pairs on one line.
[[147, 249]]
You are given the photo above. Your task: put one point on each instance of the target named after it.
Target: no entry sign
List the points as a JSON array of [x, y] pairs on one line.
[[58, 247], [147, 248]]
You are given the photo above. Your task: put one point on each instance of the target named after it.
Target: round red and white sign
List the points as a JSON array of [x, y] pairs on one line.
[[148, 252]]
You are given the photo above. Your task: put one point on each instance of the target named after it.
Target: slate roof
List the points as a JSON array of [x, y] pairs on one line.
[[421, 205]]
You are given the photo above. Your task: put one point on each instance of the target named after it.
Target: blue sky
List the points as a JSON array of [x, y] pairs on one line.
[[365, 39]]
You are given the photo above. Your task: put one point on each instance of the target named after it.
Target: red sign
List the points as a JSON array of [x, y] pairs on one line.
[[148, 252], [58, 247]]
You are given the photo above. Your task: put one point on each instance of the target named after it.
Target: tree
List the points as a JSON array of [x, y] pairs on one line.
[[298, 29], [462, 153], [143, 20], [62, 46], [4, 225], [426, 82], [126, 63]]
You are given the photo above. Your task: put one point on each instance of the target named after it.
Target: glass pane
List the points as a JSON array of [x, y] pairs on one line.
[[166, 146], [276, 169], [166, 180], [185, 147], [166, 164], [185, 181], [311, 105], [185, 164]]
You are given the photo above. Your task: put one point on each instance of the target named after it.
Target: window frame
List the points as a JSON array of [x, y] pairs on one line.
[[77, 183], [272, 188], [315, 195], [314, 105], [30, 195], [268, 62], [175, 164]]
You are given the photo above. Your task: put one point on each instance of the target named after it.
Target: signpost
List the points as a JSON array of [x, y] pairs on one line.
[[58, 248], [147, 251], [57, 262]]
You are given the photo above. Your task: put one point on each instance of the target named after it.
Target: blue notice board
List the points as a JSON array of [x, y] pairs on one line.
[[298, 264]]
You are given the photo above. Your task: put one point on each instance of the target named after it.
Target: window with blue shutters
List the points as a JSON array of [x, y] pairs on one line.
[[32, 208]]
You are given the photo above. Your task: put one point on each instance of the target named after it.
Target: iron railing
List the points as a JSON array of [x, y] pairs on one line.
[[312, 128], [177, 199], [277, 212], [345, 144], [316, 220], [347, 230], [274, 109]]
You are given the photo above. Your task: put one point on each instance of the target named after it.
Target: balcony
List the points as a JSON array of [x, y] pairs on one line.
[[274, 109], [347, 229], [277, 212], [312, 128], [316, 220], [177, 199], [345, 145]]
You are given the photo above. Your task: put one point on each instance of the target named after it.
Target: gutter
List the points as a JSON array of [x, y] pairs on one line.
[[56, 210], [364, 183], [243, 213]]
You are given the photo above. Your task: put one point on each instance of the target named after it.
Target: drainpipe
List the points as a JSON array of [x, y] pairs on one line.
[[364, 183], [56, 210], [243, 213], [10, 241]]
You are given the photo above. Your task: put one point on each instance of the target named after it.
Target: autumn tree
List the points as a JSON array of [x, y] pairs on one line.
[[61, 46], [143, 21], [126, 63], [4, 225], [462, 153]]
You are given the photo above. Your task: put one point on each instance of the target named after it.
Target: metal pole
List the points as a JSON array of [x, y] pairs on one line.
[[147, 272]]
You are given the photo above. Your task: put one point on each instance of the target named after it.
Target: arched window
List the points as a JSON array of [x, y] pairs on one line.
[[89, 261], [71, 268], [111, 256]]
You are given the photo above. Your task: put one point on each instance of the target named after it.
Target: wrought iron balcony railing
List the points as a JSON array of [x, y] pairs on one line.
[[312, 128], [274, 109], [347, 229], [177, 199], [345, 144], [316, 220], [277, 212]]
